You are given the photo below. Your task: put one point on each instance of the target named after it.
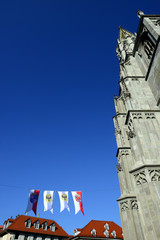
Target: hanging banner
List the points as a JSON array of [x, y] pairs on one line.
[[48, 200], [63, 197], [32, 201], [77, 198]]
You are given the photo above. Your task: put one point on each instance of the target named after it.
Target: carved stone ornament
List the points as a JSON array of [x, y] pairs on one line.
[[125, 45], [117, 131], [119, 168], [156, 21], [140, 178], [123, 152], [140, 13], [137, 115], [154, 175], [124, 206], [117, 128], [125, 93], [134, 204], [131, 131], [149, 115]]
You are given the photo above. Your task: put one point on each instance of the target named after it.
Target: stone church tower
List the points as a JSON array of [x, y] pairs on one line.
[[137, 129]]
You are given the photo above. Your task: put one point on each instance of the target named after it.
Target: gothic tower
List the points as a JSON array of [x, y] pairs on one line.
[[137, 129]]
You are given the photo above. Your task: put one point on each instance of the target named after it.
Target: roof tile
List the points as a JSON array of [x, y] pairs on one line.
[[100, 228], [18, 224]]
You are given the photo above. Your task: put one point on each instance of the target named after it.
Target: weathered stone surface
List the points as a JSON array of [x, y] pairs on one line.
[[137, 129]]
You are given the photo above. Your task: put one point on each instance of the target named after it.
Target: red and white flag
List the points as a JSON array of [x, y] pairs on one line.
[[32, 201], [77, 198]]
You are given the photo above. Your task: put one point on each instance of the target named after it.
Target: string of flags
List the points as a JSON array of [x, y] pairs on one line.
[[48, 201]]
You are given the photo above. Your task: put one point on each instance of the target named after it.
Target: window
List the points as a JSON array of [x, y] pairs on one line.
[[16, 236], [113, 233], [106, 233], [45, 226], [106, 226], [28, 223], [53, 227], [93, 232], [8, 223], [36, 224]]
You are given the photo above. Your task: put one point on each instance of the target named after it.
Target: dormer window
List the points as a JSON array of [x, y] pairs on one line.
[[53, 227], [8, 223], [106, 233], [93, 232], [106, 226], [4, 226], [45, 226], [28, 223], [114, 233], [37, 224]]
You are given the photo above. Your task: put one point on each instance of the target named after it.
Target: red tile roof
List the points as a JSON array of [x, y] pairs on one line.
[[99, 227], [18, 224], [1, 228]]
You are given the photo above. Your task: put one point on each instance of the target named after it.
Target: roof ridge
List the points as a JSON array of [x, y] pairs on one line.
[[36, 217]]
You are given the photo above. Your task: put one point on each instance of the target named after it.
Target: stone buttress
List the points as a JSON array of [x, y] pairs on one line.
[[137, 129]]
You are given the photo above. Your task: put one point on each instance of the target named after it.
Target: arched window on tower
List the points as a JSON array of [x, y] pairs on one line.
[[146, 47]]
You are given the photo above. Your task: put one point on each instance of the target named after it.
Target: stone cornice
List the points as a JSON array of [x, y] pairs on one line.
[[126, 197], [119, 114], [125, 78], [144, 166], [139, 111], [121, 148]]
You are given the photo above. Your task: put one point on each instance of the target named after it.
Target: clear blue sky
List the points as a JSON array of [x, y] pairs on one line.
[[58, 76]]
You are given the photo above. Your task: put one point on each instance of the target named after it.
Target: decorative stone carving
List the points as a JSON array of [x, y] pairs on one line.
[[124, 152], [137, 115], [131, 131], [135, 79], [154, 175], [128, 62], [150, 115], [156, 21], [134, 204], [119, 168], [122, 71], [124, 206], [130, 134], [117, 128], [125, 45], [125, 93], [140, 13], [140, 178]]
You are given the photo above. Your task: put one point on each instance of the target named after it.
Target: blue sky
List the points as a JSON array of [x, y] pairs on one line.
[[58, 76]]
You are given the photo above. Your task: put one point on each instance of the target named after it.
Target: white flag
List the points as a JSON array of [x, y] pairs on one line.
[[63, 197], [48, 200]]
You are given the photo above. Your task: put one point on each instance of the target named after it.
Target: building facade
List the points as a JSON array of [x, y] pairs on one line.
[[137, 129], [32, 228]]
